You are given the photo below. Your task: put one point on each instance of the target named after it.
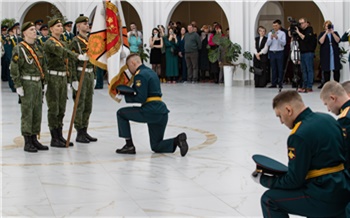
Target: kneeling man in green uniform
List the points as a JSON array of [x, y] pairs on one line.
[[153, 111], [316, 184]]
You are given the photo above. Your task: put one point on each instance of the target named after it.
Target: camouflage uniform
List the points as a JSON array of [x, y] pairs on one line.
[[26, 73], [81, 122], [57, 54]]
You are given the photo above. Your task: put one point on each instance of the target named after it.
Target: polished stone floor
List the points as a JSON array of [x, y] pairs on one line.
[[225, 127]]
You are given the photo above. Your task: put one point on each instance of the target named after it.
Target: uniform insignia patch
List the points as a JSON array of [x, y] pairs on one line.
[[57, 45], [15, 57], [138, 83], [291, 153]]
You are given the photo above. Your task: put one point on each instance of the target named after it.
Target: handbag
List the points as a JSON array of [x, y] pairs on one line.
[[258, 71]]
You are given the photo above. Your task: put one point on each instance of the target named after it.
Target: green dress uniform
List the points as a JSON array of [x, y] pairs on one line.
[[153, 111], [316, 184], [28, 69], [344, 121], [67, 37], [81, 121]]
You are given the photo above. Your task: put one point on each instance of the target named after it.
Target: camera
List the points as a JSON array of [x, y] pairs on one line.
[[329, 26], [293, 25]]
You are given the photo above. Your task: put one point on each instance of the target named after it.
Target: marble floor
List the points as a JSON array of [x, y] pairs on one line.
[[225, 127]]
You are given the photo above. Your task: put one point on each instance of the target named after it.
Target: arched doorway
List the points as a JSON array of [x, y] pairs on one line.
[[42, 10], [188, 11], [131, 15], [283, 10]]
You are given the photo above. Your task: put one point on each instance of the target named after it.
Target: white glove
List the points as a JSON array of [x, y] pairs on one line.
[[94, 83], [83, 57], [256, 177], [45, 89], [68, 87], [20, 91], [348, 31], [75, 85]]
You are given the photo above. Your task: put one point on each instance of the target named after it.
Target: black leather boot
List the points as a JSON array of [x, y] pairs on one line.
[[81, 137], [55, 141], [89, 137], [38, 145], [28, 145], [128, 148], [60, 136], [181, 141]]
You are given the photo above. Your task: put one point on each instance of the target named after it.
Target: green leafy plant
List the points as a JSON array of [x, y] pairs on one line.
[[8, 22], [342, 53], [144, 52], [228, 53]]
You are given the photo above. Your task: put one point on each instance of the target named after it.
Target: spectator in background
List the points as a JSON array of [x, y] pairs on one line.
[[134, 42], [203, 54], [163, 60], [171, 54], [329, 51], [181, 40], [214, 67], [192, 45], [156, 44], [260, 57]]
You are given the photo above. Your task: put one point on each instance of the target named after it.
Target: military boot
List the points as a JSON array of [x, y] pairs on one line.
[[128, 148], [55, 140], [60, 136], [81, 137], [28, 145], [89, 137], [38, 145], [181, 142]]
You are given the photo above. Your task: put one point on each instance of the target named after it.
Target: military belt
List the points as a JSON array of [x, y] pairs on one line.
[[156, 98], [31, 78], [88, 70], [324, 171], [57, 73]]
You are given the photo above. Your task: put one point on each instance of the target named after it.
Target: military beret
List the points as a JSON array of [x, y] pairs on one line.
[[40, 21], [13, 26], [68, 22], [55, 21], [44, 27], [26, 26], [267, 165], [81, 19], [4, 27]]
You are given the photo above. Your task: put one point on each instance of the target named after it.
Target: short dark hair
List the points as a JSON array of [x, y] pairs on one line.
[[277, 21], [285, 97]]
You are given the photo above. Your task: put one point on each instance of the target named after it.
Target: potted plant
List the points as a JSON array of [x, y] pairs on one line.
[[228, 53], [143, 52]]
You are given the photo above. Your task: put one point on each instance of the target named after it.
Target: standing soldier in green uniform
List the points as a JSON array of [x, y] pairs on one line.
[[316, 184], [153, 111], [4, 62], [79, 45], [67, 34], [13, 39], [57, 54], [44, 35], [28, 69], [337, 101]]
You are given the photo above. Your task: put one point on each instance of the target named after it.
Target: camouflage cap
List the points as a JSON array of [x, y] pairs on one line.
[[55, 21], [81, 19], [26, 26]]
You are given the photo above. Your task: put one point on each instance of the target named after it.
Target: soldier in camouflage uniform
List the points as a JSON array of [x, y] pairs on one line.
[[79, 45], [13, 39], [57, 54], [27, 70]]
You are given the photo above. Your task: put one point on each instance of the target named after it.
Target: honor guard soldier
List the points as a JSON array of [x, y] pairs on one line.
[[28, 69], [13, 39], [4, 61], [67, 35], [38, 24], [153, 111], [316, 183], [44, 31], [59, 68], [79, 45]]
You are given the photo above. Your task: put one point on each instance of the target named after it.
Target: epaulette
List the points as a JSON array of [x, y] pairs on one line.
[[344, 112], [295, 128]]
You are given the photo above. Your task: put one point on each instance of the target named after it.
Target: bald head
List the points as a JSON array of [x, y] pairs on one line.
[[334, 96], [133, 61]]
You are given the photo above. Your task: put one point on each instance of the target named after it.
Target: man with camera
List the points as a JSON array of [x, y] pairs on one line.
[[304, 34]]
